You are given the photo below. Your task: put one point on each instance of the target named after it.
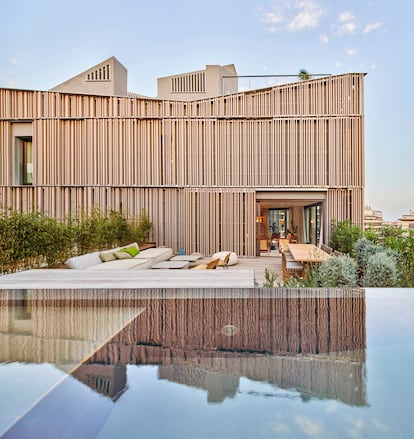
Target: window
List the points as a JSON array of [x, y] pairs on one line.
[[24, 160], [190, 83], [100, 74]]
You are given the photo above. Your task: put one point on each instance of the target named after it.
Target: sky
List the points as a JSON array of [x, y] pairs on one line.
[[46, 42]]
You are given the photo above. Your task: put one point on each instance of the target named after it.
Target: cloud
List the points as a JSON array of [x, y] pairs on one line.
[[372, 26], [324, 38], [380, 425], [308, 16], [272, 17], [345, 16], [332, 407], [347, 28], [310, 427], [281, 428], [292, 16], [350, 52], [346, 22]]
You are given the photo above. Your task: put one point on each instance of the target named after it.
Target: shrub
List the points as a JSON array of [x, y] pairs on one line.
[[402, 242], [83, 230], [113, 230], [343, 236], [338, 271], [52, 240], [31, 239], [311, 276], [140, 230], [97, 231], [270, 278], [12, 234], [381, 271], [363, 249], [372, 235], [291, 282]]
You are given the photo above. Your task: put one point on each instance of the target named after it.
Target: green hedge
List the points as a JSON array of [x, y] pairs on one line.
[[33, 239]]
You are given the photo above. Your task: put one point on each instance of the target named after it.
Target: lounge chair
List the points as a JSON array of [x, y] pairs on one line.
[[223, 253], [225, 261], [211, 264]]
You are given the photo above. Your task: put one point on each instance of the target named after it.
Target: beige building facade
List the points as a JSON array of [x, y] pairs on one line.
[[217, 173], [108, 78], [213, 81]]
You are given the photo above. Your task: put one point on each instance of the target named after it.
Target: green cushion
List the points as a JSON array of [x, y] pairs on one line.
[[107, 256], [122, 255], [132, 250]]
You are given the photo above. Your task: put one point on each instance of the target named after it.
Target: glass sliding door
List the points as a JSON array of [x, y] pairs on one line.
[[312, 223]]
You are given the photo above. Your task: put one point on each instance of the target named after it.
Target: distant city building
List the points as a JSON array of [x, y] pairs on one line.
[[407, 221], [372, 218], [214, 80]]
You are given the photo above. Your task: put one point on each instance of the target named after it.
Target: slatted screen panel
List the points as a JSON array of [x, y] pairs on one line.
[[195, 166]]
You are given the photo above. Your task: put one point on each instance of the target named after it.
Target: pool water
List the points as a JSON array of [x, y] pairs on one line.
[[254, 363]]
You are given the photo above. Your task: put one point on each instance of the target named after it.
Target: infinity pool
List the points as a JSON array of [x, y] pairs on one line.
[[207, 363]]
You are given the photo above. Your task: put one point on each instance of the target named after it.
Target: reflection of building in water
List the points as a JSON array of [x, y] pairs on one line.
[[328, 376], [219, 385], [40, 327], [108, 380], [305, 323], [305, 340], [312, 341]]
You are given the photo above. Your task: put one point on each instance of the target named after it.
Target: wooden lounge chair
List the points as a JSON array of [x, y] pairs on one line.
[[225, 261], [211, 264]]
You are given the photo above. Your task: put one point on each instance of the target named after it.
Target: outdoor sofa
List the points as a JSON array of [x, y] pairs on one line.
[[120, 259]]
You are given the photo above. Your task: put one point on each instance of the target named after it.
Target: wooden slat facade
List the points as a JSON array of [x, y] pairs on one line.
[[195, 166]]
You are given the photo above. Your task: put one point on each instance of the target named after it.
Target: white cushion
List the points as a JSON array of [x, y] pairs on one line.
[[84, 261], [233, 257], [156, 255]]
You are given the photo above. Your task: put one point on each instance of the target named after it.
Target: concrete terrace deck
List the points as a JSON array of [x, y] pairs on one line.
[[247, 273]]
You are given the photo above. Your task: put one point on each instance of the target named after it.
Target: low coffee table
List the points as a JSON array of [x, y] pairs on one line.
[[172, 264], [189, 258]]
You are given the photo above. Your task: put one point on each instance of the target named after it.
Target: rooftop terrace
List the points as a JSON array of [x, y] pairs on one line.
[[247, 273]]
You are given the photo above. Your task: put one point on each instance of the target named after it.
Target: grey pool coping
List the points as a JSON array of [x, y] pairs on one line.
[[75, 279]]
